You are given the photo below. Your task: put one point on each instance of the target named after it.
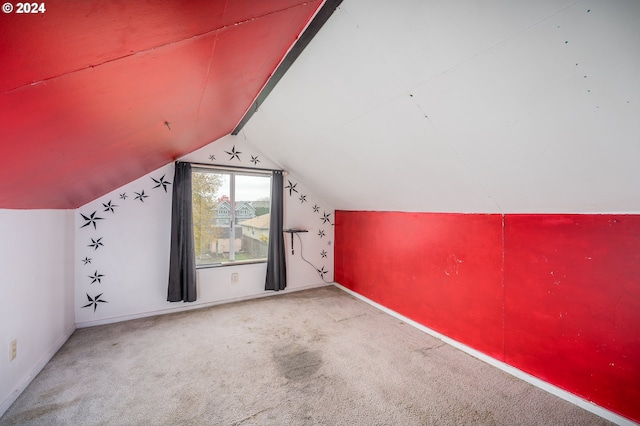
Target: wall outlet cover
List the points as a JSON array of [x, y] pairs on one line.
[[13, 349]]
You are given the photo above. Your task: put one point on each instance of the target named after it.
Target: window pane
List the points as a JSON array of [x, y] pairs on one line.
[[211, 216], [253, 200], [222, 199]]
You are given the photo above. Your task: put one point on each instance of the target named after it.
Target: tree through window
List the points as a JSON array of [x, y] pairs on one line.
[[230, 215]]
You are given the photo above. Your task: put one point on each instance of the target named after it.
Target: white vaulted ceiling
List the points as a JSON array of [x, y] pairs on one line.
[[465, 106]]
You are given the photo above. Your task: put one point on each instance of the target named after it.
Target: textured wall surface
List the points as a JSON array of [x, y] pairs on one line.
[[443, 271], [572, 304], [553, 295]]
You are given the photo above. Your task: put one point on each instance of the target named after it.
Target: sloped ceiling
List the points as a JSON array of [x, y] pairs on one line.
[[466, 106], [96, 93]]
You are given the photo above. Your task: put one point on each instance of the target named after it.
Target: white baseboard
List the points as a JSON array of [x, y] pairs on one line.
[[548, 387], [9, 400], [195, 305]]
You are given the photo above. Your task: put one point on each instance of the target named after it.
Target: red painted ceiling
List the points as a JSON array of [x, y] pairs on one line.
[[87, 88]]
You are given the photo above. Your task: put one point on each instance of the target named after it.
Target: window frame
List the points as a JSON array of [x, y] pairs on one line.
[[232, 172]]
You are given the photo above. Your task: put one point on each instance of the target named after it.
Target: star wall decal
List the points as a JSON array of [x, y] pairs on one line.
[[234, 154], [109, 206], [291, 187], [323, 253], [254, 159], [316, 208], [91, 220], [325, 218], [94, 301], [321, 233], [161, 183], [86, 260], [123, 196], [212, 157], [322, 272], [140, 196], [96, 277], [96, 243], [302, 199]]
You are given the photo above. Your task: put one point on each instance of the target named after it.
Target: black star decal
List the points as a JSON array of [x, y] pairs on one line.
[[109, 207], [323, 253], [321, 233], [91, 220], [86, 260], [326, 218], [212, 157], [322, 272], [161, 183], [94, 302], [140, 196], [291, 187], [96, 243], [234, 154], [254, 160], [316, 208], [123, 196], [303, 198], [96, 277]]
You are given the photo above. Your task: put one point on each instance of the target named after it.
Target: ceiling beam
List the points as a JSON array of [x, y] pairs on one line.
[[308, 34]]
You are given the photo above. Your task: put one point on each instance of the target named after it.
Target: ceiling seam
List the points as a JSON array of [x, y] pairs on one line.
[[206, 79], [445, 141], [171, 43], [313, 26], [498, 43]]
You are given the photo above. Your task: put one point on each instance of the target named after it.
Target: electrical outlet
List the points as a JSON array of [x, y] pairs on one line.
[[234, 278], [13, 349]]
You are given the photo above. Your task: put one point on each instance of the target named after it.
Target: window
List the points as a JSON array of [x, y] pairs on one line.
[[230, 215]]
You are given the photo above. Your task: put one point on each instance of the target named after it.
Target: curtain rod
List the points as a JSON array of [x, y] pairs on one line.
[[220, 166]]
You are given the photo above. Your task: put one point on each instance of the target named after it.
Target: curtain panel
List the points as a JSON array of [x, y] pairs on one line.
[[276, 262], [182, 263]]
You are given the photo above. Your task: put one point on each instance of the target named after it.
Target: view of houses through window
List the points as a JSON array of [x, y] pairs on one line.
[[230, 215]]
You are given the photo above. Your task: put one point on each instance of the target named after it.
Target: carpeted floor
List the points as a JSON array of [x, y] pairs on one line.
[[315, 357]]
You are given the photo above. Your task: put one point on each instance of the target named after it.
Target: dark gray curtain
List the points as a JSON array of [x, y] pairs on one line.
[[276, 266], [182, 262]]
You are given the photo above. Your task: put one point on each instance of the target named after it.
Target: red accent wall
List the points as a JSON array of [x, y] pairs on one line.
[[87, 87], [556, 296]]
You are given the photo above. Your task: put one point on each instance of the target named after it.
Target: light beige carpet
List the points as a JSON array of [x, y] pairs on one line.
[[316, 357]]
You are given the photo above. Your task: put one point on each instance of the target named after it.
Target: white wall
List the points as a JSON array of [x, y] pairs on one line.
[[464, 106], [134, 259], [36, 307]]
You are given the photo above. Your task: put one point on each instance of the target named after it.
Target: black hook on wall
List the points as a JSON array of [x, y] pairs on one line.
[[293, 231]]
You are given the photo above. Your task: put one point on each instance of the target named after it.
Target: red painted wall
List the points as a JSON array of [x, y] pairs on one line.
[[556, 296], [87, 86]]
